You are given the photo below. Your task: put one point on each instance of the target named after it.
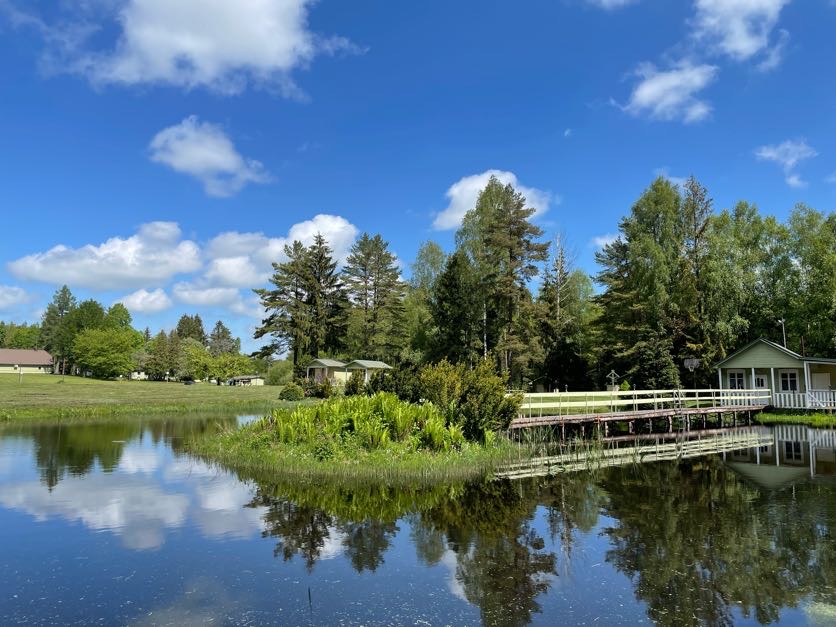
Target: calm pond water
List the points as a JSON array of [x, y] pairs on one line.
[[113, 524]]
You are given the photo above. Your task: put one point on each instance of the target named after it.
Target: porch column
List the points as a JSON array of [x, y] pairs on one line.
[[806, 385], [772, 376], [753, 379], [720, 376]]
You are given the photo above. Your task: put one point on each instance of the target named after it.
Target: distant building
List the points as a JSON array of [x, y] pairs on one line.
[[25, 360], [138, 375], [326, 369], [367, 366], [247, 380]]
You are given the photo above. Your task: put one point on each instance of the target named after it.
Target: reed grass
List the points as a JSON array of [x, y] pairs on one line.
[[812, 419]]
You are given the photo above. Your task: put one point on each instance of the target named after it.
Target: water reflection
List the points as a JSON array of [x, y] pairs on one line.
[[708, 541]]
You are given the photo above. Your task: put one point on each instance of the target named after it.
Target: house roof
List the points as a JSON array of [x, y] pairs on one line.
[[783, 349], [326, 363], [24, 357], [367, 364]]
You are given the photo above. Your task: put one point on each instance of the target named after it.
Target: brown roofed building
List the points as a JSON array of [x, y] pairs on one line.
[[25, 360]]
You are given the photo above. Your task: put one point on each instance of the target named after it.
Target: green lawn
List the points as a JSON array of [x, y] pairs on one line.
[[46, 396], [812, 420]]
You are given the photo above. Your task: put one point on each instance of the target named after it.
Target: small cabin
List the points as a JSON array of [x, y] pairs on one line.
[[367, 366], [794, 381], [320, 370]]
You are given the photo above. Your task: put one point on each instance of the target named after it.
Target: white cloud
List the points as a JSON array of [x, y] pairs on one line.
[[604, 240], [217, 44], [775, 54], [11, 296], [674, 180], [244, 259], [672, 94], [195, 294], [567, 133], [832, 177], [610, 4], [153, 255], [464, 193], [204, 151], [788, 154], [739, 29], [143, 301]]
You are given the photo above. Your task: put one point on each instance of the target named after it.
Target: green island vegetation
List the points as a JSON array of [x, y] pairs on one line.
[[382, 436]]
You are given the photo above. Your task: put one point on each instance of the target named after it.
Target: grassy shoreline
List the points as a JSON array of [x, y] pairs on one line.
[[246, 450], [810, 420], [47, 397]]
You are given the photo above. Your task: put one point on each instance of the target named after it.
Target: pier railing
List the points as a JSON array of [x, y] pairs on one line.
[[572, 403]]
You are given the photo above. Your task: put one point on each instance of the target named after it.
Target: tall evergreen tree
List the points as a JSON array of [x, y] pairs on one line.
[[503, 245], [221, 340], [288, 321], [376, 292], [455, 308], [191, 327], [326, 299], [57, 337]]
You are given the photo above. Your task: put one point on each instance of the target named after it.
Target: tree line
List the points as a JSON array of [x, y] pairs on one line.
[[680, 281], [84, 337]]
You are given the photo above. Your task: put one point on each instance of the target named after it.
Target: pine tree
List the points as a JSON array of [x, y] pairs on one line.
[[455, 308], [326, 300], [376, 292], [56, 333], [222, 342], [191, 327], [288, 321]]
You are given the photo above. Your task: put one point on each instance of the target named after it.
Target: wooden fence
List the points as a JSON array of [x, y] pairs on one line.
[[574, 403]]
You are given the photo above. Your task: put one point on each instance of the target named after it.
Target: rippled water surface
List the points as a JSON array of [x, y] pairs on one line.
[[114, 524]]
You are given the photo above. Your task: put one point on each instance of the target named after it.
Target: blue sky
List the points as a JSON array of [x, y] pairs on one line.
[[161, 153]]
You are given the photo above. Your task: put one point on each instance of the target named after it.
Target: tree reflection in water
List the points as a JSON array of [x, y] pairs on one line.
[[697, 542]]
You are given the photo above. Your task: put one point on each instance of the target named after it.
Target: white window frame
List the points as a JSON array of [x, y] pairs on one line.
[[735, 372], [794, 373]]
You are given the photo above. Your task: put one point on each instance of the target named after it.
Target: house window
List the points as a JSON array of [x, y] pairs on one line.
[[736, 380], [760, 382], [789, 381], [792, 451]]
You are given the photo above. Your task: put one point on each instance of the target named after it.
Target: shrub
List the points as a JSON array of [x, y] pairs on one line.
[[316, 389], [355, 386], [291, 392], [474, 400]]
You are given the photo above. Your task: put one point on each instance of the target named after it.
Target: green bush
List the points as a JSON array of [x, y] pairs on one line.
[[291, 392], [317, 389], [355, 385], [474, 400]]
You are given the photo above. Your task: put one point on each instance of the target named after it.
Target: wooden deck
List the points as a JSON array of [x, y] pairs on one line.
[[579, 408]]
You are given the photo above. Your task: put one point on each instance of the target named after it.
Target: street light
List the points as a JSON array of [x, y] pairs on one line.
[[784, 331]]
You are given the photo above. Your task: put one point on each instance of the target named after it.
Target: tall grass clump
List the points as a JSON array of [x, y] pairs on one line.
[[368, 421]]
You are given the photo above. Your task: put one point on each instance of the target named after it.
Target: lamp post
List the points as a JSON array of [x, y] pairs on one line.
[[783, 331]]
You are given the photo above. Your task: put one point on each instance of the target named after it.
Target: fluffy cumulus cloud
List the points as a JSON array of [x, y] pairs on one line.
[[154, 254], [672, 94], [204, 151], [741, 29], [244, 259], [464, 193], [216, 44], [147, 302], [674, 180], [788, 154], [12, 296]]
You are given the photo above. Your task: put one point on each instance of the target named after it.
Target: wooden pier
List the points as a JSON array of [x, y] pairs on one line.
[[602, 408]]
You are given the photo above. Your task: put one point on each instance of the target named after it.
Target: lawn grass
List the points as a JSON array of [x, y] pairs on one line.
[[812, 420], [46, 397]]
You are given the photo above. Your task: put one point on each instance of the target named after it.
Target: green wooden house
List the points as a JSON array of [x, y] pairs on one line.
[[795, 381]]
